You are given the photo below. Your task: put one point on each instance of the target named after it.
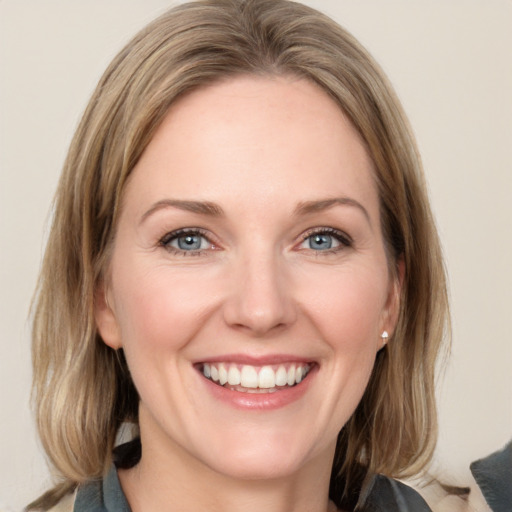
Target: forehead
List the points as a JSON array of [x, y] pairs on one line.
[[270, 138]]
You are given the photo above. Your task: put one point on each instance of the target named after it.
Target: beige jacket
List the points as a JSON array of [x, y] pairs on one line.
[[65, 504]]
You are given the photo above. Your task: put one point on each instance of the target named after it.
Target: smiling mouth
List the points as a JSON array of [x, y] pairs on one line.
[[256, 379]]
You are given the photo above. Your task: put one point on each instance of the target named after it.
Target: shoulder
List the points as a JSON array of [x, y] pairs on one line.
[[462, 495], [88, 497], [103, 495], [389, 495], [493, 475]]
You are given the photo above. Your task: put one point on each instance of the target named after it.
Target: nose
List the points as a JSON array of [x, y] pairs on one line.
[[261, 298]]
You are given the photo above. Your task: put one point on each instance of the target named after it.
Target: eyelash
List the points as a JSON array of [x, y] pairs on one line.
[[344, 240], [165, 242]]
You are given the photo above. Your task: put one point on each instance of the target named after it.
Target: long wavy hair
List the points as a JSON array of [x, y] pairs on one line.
[[82, 389]]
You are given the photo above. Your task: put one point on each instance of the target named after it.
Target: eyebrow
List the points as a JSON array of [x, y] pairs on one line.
[[308, 207], [200, 207], [214, 210]]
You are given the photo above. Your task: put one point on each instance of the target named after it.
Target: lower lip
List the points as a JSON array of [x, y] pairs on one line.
[[260, 401]]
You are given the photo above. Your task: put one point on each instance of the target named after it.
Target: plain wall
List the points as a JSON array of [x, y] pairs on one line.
[[451, 63]]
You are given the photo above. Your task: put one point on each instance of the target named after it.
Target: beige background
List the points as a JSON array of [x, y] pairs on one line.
[[451, 62]]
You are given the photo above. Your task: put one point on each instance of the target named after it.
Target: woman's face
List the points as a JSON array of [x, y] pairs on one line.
[[249, 249]]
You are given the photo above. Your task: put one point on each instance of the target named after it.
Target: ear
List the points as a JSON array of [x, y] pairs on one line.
[[106, 321], [392, 308]]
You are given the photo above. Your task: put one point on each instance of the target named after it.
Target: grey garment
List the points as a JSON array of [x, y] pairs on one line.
[[386, 495], [390, 495], [494, 477], [102, 495]]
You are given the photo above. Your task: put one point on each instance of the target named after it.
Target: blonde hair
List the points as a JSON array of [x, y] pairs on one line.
[[82, 388]]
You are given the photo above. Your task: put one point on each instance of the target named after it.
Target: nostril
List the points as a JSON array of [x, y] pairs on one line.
[[259, 328]]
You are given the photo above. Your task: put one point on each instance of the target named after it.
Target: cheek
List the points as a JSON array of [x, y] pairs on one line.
[[159, 309], [350, 308], [348, 319]]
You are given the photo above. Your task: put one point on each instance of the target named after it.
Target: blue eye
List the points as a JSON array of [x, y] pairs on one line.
[[326, 239], [321, 242], [188, 242], [185, 241]]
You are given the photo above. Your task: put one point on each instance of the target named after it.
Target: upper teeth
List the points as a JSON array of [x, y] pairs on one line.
[[248, 376]]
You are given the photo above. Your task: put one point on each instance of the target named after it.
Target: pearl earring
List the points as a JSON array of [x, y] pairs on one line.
[[384, 337]]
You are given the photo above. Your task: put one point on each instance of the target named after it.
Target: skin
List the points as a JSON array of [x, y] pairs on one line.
[[259, 148]]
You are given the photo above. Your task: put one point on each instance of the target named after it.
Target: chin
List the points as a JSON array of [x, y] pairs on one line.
[[261, 468], [259, 456]]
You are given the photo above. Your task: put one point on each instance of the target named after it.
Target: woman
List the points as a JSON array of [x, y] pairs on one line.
[[243, 264]]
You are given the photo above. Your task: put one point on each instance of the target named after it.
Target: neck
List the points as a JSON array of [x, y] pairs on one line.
[[168, 478], [147, 493]]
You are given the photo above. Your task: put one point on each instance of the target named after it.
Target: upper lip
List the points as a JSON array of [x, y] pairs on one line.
[[259, 360]]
